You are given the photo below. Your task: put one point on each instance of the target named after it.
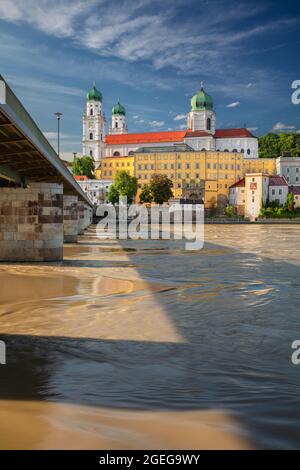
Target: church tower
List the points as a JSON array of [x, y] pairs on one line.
[[118, 120], [202, 116], [93, 142]]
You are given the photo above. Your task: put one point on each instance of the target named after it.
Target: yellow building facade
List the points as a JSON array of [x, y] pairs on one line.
[[260, 165], [187, 169], [111, 165]]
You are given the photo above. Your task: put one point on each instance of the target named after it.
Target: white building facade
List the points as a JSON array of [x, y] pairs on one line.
[[289, 167], [96, 190]]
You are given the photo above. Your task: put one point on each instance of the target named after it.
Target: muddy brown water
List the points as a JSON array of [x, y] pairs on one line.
[[141, 344]]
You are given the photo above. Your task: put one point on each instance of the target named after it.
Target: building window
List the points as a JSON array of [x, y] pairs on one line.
[[280, 192], [91, 136], [116, 154], [297, 170], [208, 124], [248, 151], [131, 152], [187, 166], [116, 124], [91, 153], [273, 192], [242, 150], [91, 112]]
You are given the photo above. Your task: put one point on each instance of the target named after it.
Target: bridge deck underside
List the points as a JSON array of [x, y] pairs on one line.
[[20, 155]]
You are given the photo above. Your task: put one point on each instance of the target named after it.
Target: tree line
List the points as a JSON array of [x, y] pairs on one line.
[[275, 145]]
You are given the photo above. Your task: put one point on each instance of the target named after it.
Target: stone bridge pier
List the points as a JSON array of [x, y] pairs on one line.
[[31, 223], [70, 219]]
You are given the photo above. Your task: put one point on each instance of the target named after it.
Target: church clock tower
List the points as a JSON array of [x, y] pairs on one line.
[[202, 116], [118, 120], [93, 142]]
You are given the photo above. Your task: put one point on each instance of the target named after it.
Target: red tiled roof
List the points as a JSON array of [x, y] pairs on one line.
[[238, 184], [190, 133], [173, 136], [146, 137], [294, 189], [276, 180], [81, 178], [229, 133]]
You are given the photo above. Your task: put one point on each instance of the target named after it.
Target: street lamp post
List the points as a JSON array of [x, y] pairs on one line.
[[74, 156], [58, 115]]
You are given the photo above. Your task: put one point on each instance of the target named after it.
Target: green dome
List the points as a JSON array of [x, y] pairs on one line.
[[118, 109], [201, 101], [94, 94]]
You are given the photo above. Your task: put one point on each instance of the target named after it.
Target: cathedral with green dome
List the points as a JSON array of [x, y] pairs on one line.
[[201, 133]]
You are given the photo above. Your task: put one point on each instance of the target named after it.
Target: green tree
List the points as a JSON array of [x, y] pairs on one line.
[[124, 185], [275, 145], [290, 203], [229, 211], [160, 188], [113, 194], [84, 166], [146, 194]]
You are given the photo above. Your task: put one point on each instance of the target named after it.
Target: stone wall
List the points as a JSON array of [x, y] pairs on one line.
[[31, 223], [70, 219], [81, 226]]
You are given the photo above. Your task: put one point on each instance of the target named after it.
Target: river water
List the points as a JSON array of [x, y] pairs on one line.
[[141, 344]]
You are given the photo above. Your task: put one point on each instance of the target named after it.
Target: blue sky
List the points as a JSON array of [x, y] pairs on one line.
[[152, 55]]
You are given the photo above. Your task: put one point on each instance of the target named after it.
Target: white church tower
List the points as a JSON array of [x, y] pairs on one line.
[[202, 116], [118, 120], [93, 142]]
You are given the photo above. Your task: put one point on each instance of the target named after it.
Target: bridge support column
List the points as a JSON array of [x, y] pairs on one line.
[[31, 223], [80, 217], [70, 219], [88, 215]]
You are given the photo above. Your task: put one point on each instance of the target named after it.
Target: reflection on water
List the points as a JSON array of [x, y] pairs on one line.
[[142, 344]]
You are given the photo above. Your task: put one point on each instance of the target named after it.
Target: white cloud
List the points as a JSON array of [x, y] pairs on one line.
[[156, 123], [235, 104], [280, 126], [55, 18], [180, 117], [252, 129], [133, 31], [53, 136]]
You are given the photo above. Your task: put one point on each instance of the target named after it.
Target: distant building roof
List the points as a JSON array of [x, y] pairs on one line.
[[81, 177], [276, 180], [191, 133], [166, 149], [294, 189], [230, 133], [238, 184], [146, 137]]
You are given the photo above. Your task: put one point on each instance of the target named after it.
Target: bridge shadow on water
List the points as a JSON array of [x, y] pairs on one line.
[[233, 317]]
